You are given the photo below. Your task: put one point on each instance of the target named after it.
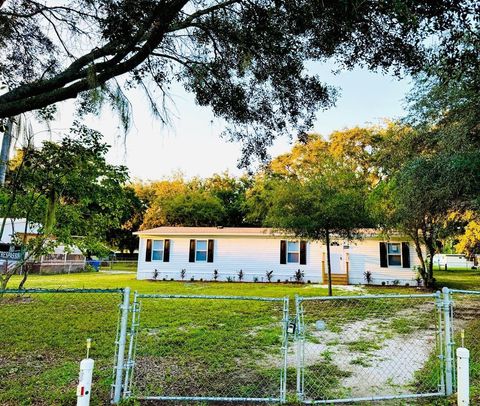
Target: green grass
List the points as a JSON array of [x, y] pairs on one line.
[[202, 345], [459, 278], [130, 266], [212, 347]]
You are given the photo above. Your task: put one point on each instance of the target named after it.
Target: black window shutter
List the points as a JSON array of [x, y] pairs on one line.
[[148, 251], [303, 253], [405, 255], [283, 251], [210, 251], [191, 257], [166, 251], [383, 255]]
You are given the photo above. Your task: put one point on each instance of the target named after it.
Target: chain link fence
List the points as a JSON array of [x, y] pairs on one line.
[[208, 348], [221, 349], [43, 338], [466, 333], [368, 347]]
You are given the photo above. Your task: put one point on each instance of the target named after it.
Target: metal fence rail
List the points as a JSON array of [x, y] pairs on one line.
[[208, 348], [372, 347], [42, 339]]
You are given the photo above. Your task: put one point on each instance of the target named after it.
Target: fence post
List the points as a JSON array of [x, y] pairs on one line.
[[283, 376], [131, 344], [447, 303], [122, 341], [299, 347]]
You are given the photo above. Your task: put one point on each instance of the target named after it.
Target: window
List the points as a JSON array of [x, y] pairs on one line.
[[293, 252], [394, 254], [157, 250], [201, 251]]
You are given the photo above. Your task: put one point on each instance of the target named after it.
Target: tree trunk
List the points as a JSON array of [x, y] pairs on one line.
[[329, 268], [50, 213], [25, 269], [6, 142], [430, 245], [418, 250]]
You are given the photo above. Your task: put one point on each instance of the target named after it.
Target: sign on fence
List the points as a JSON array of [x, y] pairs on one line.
[[10, 252]]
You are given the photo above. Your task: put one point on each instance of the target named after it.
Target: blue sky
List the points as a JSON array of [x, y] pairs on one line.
[[192, 145]]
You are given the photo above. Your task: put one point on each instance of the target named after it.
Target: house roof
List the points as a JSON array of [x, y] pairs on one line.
[[245, 231], [230, 231]]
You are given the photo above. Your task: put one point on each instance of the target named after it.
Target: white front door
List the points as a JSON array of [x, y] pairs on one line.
[[336, 258]]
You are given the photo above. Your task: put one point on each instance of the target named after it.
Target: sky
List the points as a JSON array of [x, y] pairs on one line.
[[191, 143]]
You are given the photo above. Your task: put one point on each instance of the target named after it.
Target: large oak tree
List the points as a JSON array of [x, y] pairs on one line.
[[244, 58]]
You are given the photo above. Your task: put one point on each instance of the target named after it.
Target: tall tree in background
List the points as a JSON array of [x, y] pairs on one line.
[[419, 199], [332, 201], [432, 168], [133, 211], [245, 59]]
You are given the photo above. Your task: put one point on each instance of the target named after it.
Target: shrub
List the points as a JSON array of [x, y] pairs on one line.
[[155, 274], [229, 279], [367, 275], [278, 280], [298, 276], [396, 282], [240, 275], [255, 279], [192, 279], [182, 274], [215, 274], [269, 275], [383, 283]]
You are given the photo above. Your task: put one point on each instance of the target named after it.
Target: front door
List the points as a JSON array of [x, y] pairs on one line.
[[336, 258]]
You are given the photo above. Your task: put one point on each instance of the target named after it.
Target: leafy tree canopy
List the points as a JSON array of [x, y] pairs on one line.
[[68, 188], [245, 59]]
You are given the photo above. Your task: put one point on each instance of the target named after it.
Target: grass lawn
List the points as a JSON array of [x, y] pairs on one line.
[[184, 345], [130, 266], [468, 279]]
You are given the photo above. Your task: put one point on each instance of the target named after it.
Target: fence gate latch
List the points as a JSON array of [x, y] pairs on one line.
[[292, 325]]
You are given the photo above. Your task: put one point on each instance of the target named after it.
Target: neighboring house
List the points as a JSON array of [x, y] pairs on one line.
[[18, 228], [62, 259], [453, 261], [165, 251]]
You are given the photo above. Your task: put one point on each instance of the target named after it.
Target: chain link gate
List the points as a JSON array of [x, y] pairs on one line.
[[207, 348], [372, 347], [465, 332]]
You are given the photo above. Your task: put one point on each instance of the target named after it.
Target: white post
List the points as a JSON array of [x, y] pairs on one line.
[[463, 378], [84, 388]]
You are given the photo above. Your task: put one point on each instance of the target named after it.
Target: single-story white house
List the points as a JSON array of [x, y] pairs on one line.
[[231, 253]]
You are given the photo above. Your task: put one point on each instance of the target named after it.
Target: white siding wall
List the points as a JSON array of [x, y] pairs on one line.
[[254, 256], [257, 255], [365, 256]]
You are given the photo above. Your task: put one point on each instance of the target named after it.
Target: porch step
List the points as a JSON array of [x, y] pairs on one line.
[[337, 279]]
